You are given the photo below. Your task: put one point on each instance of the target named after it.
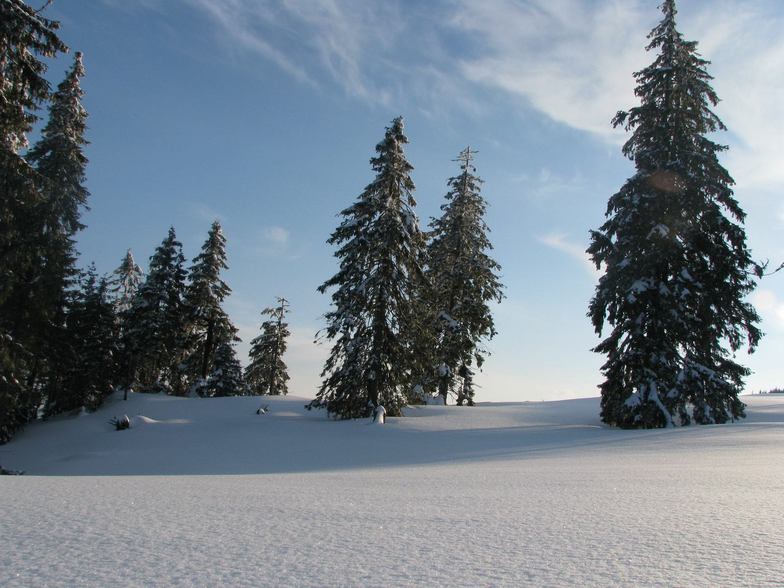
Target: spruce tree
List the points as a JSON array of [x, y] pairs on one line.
[[156, 320], [89, 361], [225, 378], [125, 283], [59, 160], [208, 325], [267, 373], [372, 324], [25, 38], [463, 280], [674, 248]]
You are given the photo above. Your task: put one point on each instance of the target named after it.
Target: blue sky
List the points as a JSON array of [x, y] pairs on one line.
[[264, 115]]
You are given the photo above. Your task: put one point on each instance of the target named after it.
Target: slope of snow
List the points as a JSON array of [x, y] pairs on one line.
[[204, 492]]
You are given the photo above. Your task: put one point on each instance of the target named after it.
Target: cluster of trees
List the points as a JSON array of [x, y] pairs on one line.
[[175, 335], [773, 391], [69, 337], [41, 194], [410, 308]]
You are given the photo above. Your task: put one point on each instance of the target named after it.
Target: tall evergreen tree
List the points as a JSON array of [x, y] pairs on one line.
[[463, 279], [267, 373], [59, 159], [380, 248], [677, 265], [25, 37], [60, 162], [208, 323], [125, 283], [89, 364], [156, 320]]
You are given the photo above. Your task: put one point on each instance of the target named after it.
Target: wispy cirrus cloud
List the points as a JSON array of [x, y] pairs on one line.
[[770, 306], [570, 60], [277, 235], [276, 241], [390, 53], [561, 242], [573, 61], [743, 40], [243, 23], [205, 212], [545, 185], [342, 38]]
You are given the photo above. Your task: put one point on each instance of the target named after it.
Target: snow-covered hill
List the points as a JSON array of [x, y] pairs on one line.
[[204, 492]]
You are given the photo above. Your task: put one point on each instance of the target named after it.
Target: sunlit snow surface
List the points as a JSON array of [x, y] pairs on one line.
[[208, 493]]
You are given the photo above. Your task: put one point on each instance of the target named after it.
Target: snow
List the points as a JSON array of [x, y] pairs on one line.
[[203, 492], [451, 323]]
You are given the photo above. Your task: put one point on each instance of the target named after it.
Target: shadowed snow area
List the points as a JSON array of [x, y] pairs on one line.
[[496, 495]]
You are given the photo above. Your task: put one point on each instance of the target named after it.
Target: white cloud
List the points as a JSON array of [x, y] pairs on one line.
[[544, 185], [571, 60], [306, 38], [239, 21], [277, 235], [746, 48], [769, 306], [207, 213], [272, 241], [576, 251]]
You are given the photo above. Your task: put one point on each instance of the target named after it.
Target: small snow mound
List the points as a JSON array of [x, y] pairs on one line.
[[379, 415], [140, 419]]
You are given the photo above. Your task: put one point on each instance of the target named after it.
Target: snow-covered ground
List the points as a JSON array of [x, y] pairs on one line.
[[204, 492]]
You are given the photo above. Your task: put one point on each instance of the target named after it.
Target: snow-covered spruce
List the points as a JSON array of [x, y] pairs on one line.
[[267, 373], [60, 164], [225, 379], [462, 280], [125, 282], [27, 37], [59, 160], [208, 325], [372, 323], [87, 359], [155, 338], [677, 266]]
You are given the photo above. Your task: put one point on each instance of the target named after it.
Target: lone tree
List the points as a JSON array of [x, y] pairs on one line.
[[267, 373], [380, 248], [677, 265], [463, 279]]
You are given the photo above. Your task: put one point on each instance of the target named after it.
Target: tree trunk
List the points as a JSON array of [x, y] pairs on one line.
[[208, 345], [443, 388], [372, 388]]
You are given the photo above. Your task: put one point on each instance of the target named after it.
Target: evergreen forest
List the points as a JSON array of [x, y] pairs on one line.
[[411, 303]]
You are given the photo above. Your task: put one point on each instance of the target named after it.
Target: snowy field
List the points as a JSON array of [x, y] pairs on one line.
[[204, 492]]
